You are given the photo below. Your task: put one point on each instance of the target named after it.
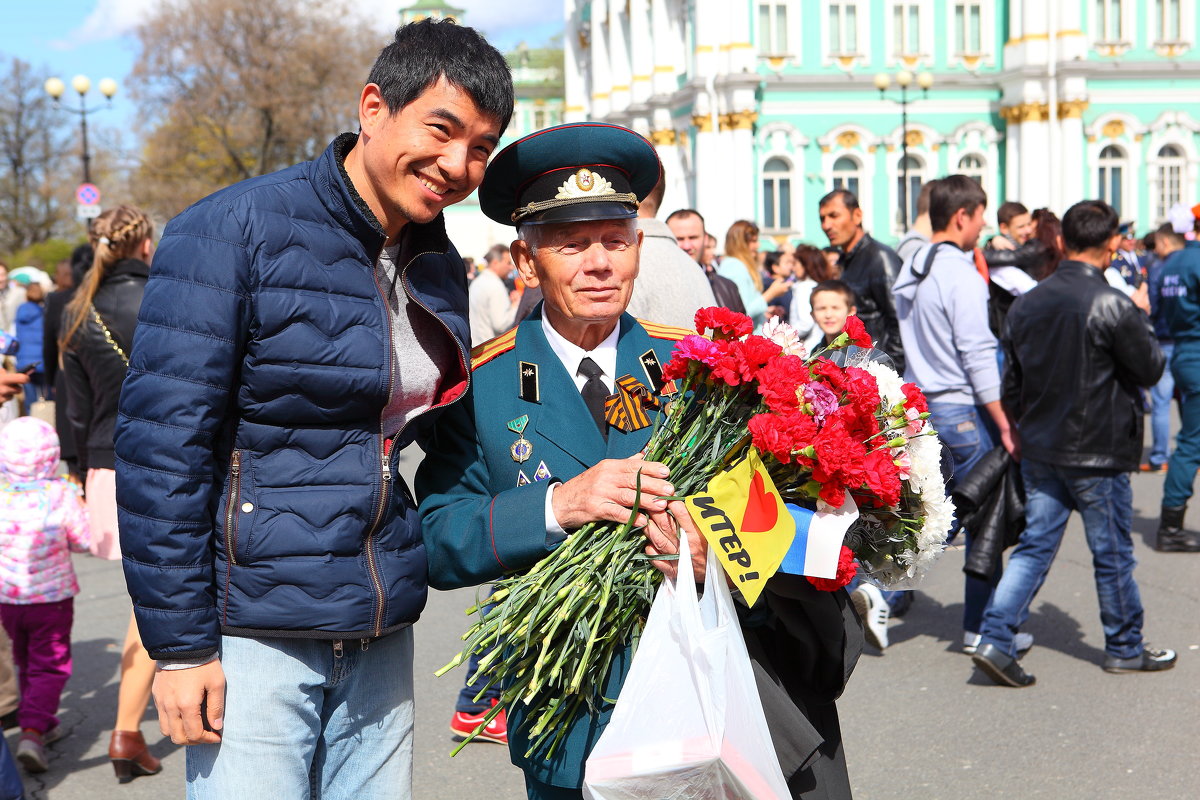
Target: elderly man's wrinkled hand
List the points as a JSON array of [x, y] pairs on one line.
[[191, 703], [663, 533], [607, 493]]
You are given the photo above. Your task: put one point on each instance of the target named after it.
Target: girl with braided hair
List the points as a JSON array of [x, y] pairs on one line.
[[97, 333]]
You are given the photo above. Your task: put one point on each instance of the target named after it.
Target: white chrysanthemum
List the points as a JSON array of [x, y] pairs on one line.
[[785, 336], [890, 384]]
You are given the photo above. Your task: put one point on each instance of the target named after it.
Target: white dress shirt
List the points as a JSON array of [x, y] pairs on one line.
[[570, 354]]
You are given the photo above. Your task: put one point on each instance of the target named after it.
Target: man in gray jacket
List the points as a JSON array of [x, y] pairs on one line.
[[670, 285], [941, 303]]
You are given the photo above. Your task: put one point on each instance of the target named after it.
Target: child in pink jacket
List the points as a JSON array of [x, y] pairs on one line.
[[42, 520]]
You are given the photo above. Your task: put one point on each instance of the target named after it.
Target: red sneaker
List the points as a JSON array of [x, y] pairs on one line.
[[463, 724]]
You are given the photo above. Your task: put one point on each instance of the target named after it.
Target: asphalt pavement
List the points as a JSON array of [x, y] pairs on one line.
[[918, 722]]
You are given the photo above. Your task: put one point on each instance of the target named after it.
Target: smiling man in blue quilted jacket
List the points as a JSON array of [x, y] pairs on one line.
[[298, 330]]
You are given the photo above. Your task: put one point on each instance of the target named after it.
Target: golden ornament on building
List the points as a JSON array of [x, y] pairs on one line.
[[1113, 129], [848, 139], [914, 138], [702, 123], [663, 138]]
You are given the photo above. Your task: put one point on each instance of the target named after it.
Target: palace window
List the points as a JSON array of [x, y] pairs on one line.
[[916, 170], [772, 28], [1172, 165], [1110, 178], [906, 28], [777, 194], [847, 174], [968, 27], [1108, 22], [974, 167], [1168, 21], [843, 27]]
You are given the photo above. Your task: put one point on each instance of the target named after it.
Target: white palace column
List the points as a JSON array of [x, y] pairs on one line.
[[601, 74], [738, 84], [618, 59], [713, 175], [575, 88], [641, 51]]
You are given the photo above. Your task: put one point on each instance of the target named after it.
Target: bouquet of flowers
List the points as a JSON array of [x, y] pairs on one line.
[[823, 431]]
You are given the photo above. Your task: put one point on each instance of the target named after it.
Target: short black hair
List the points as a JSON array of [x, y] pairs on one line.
[[425, 51], [1166, 231], [849, 199], [1089, 225], [949, 195], [1006, 211]]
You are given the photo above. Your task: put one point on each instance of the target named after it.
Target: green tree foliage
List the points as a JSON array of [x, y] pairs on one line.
[[34, 192], [229, 89]]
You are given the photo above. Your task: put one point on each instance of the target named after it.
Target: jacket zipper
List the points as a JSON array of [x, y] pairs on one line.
[[235, 491], [385, 458]]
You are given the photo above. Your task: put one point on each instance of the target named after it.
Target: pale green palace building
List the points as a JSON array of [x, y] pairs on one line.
[[759, 107]]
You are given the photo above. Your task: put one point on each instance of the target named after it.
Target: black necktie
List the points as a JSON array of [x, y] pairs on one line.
[[594, 393]]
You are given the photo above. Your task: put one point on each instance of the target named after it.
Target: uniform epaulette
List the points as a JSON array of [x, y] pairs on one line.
[[493, 347], [668, 332]]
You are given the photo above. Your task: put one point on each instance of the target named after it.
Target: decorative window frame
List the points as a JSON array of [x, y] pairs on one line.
[[987, 38], [1129, 32], [846, 61], [978, 138], [780, 139], [1179, 129], [1126, 132], [794, 177], [1187, 23], [926, 35], [861, 145], [926, 144], [790, 30]]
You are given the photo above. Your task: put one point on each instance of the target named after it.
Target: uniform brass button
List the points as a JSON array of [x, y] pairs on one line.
[[247, 507]]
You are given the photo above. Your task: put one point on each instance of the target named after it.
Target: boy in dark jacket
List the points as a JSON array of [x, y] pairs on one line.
[[298, 330]]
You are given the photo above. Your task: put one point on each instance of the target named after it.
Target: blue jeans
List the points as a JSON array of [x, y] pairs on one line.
[[968, 434], [302, 721], [11, 787], [1160, 410], [1182, 466], [1105, 500]]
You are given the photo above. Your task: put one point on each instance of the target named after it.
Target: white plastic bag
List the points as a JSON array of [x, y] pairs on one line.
[[688, 724]]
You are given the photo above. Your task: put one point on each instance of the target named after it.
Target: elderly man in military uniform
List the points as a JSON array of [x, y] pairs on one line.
[[531, 457]]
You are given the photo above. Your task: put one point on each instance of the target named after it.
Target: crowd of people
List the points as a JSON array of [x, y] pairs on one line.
[[302, 328]]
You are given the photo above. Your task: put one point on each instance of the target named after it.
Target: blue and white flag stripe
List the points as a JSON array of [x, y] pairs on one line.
[[818, 543]]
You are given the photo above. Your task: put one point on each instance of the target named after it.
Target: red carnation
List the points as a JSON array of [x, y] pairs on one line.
[[882, 476], [690, 349], [857, 332], [863, 390], [914, 398], [846, 570], [753, 353], [783, 435], [780, 380], [831, 373], [839, 461], [725, 324]]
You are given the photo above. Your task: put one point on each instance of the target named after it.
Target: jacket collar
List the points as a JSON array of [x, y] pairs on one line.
[[348, 207], [562, 407], [1067, 266], [129, 266]]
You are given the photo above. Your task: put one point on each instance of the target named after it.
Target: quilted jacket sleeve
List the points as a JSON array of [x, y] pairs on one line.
[[472, 536], [175, 402]]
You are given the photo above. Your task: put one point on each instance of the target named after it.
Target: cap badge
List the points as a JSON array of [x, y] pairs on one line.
[[584, 183]]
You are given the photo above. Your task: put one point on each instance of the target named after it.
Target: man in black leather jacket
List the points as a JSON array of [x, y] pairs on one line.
[[1077, 351], [869, 268]]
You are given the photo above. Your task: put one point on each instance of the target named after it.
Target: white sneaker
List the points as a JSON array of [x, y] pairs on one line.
[[873, 609]]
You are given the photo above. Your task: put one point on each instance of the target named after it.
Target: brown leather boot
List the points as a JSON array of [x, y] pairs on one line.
[[130, 757]]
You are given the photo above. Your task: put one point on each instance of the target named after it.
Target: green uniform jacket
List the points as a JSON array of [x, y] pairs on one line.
[[479, 524]]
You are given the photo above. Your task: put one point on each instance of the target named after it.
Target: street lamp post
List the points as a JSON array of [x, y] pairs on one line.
[[904, 79], [82, 85]]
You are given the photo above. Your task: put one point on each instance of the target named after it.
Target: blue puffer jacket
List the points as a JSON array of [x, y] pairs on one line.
[[255, 495]]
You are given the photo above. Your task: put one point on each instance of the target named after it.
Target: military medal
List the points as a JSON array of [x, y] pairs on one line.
[[530, 387], [522, 478], [543, 472], [654, 374], [522, 448]]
